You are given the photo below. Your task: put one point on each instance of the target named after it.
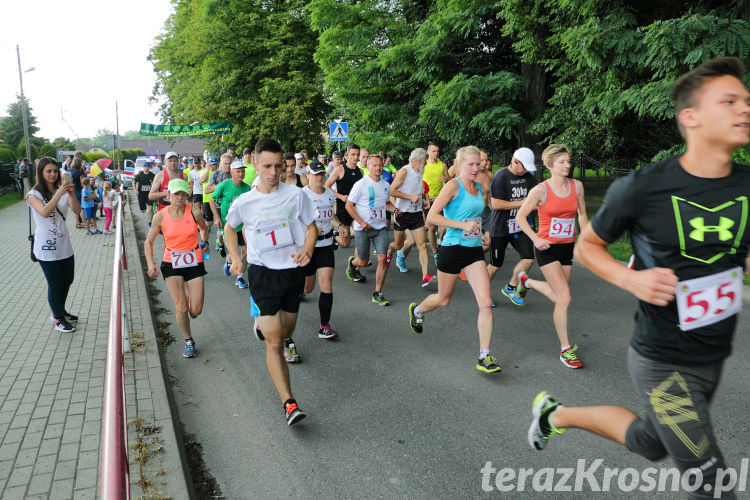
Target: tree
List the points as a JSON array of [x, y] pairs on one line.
[[265, 81], [11, 126]]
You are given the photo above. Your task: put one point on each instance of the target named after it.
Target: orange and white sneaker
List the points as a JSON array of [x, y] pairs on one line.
[[292, 412], [569, 358]]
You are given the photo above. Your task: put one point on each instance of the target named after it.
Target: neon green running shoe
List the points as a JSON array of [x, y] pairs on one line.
[[541, 429]]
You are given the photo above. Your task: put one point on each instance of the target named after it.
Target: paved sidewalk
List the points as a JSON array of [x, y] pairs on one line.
[[51, 384]]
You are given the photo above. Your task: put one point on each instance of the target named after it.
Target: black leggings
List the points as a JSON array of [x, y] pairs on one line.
[[59, 275]]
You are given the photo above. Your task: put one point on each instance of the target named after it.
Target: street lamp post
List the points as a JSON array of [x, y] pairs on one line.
[[23, 107]]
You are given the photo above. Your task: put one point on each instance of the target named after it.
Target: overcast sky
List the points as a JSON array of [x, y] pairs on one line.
[[87, 54]]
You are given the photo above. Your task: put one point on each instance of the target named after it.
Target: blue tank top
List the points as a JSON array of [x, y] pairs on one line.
[[461, 208]]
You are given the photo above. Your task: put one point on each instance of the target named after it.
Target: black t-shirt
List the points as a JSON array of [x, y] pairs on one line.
[[509, 187], [143, 181], [694, 226]]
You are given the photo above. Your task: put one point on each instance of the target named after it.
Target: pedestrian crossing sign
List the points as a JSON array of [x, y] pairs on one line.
[[338, 131]]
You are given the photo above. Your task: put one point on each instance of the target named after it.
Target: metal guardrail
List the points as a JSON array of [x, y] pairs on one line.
[[114, 469]]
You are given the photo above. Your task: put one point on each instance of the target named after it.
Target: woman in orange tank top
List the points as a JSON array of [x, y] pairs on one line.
[[557, 200], [182, 262]]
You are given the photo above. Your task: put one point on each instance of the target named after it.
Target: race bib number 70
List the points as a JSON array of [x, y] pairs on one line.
[[710, 299], [182, 260]]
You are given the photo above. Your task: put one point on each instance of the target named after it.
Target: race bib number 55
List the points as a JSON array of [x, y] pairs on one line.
[[710, 299]]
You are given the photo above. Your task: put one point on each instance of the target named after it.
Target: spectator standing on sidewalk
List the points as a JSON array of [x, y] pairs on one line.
[[76, 171], [50, 199]]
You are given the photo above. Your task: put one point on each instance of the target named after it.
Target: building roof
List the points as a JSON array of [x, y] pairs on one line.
[[154, 146]]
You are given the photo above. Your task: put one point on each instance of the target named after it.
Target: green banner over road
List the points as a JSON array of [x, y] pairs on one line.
[[151, 130]]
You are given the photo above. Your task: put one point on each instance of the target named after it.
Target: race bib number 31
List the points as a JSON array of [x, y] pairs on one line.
[[181, 260], [562, 228], [710, 299], [274, 236]]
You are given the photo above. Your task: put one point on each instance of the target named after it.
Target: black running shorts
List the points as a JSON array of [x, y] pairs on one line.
[[321, 257], [520, 242], [408, 220], [561, 252], [452, 259], [275, 290], [187, 273]]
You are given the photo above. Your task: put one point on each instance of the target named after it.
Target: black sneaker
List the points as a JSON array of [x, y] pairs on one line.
[[358, 278], [292, 412], [70, 318], [488, 364], [63, 326]]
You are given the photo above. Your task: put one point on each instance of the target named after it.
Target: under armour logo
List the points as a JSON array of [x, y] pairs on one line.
[[700, 228]]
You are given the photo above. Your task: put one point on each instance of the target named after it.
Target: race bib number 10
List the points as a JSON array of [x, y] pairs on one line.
[[274, 236], [562, 228], [513, 226], [181, 260], [710, 299]]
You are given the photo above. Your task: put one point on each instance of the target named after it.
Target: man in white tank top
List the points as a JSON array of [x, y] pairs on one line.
[[407, 190]]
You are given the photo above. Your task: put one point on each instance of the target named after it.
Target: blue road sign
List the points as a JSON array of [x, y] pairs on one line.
[[338, 131]]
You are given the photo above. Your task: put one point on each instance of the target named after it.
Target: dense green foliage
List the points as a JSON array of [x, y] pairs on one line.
[[498, 74], [11, 128]]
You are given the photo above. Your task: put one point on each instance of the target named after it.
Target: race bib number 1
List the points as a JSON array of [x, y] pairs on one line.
[[513, 226], [274, 236], [710, 299], [474, 234], [181, 260], [562, 228]]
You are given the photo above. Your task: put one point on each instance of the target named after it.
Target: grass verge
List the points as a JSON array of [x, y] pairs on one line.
[[9, 199]]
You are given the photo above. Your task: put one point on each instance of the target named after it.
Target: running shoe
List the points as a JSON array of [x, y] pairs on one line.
[[541, 429], [488, 364], [569, 358], [258, 333], [428, 278], [292, 412], [463, 277], [98, 231], [352, 272], [388, 259], [63, 326], [521, 289], [240, 282], [512, 295], [493, 304], [401, 262], [107, 231], [90, 232], [326, 332], [70, 318], [377, 297], [189, 351], [227, 266], [414, 321], [290, 352]]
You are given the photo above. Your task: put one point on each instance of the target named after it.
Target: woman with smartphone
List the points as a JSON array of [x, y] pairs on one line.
[[50, 199]]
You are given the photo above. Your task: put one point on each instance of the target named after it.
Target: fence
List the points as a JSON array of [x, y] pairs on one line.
[[114, 473]]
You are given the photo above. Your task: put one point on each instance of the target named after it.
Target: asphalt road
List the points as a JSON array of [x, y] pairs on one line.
[[396, 415]]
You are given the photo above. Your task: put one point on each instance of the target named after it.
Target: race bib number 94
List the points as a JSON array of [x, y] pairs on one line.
[[562, 228], [710, 299], [273, 236], [181, 260]]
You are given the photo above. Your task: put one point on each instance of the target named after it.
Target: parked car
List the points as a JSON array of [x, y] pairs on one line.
[[128, 172]]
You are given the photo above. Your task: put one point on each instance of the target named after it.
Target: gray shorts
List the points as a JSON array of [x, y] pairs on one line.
[[379, 240], [677, 421]]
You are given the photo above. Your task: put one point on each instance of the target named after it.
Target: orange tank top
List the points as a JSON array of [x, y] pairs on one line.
[[180, 235], [557, 215]]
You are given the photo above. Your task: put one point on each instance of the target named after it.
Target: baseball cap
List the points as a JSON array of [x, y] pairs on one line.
[[213, 160], [526, 157], [315, 168], [171, 154], [236, 164], [177, 185], [298, 156], [184, 158]]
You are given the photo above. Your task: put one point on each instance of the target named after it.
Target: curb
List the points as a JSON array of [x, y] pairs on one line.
[[173, 458]]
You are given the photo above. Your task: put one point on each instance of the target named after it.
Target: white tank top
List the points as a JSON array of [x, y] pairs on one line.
[[412, 185]]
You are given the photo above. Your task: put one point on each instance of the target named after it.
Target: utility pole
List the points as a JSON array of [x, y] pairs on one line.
[[117, 134], [23, 107]]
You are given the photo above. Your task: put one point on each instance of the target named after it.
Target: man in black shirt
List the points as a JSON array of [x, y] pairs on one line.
[[142, 185], [508, 190], [688, 222]]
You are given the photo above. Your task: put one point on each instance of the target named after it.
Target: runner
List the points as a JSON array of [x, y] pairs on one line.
[[195, 180], [322, 261], [290, 176], [509, 188], [459, 209], [557, 200], [485, 179], [687, 218], [221, 174], [280, 231], [337, 160], [402, 254], [222, 199], [159, 187], [142, 185], [206, 172], [435, 175], [344, 177], [182, 263], [247, 161], [407, 189], [367, 203]]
